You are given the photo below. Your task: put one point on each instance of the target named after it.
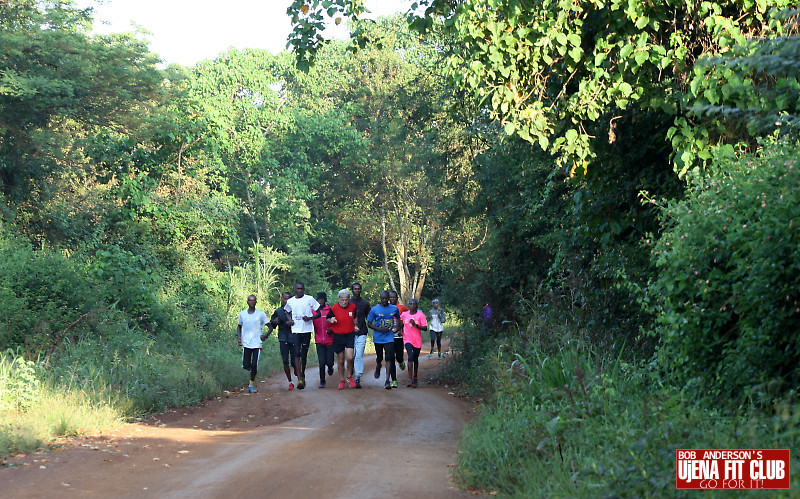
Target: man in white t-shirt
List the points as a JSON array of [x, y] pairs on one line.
[[436, 319], [302, 309], [251, 322]]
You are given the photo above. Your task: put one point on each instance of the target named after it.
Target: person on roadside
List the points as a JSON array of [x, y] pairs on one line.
[[360, 339], [487, 319], [384, 320], [343, 319], [302, 310], [323, 339], [437, 319], [414, 323], [398, 335], [286, 337], [251, 322]]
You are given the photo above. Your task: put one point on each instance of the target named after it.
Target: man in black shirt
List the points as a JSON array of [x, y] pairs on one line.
[[286, 338]]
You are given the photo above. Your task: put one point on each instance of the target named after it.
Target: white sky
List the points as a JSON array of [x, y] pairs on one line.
[[188, 31]]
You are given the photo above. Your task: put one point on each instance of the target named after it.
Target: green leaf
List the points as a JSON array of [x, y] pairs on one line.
[[599, 58], [544, 142]]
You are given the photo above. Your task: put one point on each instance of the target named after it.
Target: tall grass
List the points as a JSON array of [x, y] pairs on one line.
[[258, 276], [35, 408], [576, 422], [94, 384]]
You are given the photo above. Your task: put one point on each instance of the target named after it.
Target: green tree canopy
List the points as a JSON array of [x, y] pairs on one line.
[[57, 81]]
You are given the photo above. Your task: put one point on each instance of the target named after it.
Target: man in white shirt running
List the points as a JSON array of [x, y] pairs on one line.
[[302, 309], [250, 324], [436, 319]]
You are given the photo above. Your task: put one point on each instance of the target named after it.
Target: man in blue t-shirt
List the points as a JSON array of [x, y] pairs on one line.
[[384, 320]]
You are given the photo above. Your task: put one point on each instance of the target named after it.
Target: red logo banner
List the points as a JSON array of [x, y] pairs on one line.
[[732, 468]]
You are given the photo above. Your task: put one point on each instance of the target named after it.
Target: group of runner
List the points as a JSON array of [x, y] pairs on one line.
[[340, 334]]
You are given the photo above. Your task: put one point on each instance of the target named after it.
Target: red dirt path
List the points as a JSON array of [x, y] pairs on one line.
[[276, 443]]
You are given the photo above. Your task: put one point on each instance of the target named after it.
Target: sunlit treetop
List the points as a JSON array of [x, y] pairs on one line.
[[557, 72]]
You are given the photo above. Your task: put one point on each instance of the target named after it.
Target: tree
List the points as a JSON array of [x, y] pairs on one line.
[[241, 96], [58, 83], [377, 150], [555, 72], [753, 88]]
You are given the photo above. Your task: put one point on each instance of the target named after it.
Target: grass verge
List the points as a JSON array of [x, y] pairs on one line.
[[35, 410], [574, 423]]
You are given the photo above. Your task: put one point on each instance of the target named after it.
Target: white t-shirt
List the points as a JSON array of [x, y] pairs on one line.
[[297, 308], [252, 325], [437, 319]]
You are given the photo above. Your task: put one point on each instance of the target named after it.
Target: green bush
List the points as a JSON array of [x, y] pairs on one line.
[[727, 293], [44, 297], [18, 381], [574, 423]]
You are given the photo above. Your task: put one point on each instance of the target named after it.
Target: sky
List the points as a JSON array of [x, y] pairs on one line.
[[188, 31]]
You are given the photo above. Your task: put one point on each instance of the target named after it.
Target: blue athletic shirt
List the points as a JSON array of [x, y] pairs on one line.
[[381, 316]]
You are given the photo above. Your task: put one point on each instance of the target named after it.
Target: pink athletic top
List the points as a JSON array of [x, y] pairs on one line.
[[413, 334], [322, 332]]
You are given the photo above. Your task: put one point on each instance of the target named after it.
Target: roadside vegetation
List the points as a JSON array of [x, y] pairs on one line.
[[574, 422], [618, 180]]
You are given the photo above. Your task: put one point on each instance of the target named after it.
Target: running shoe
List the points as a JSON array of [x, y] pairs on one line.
[[410, 382], [429, 355], [291, 386], [330, 370], [301, 384], [414, 385], [440, 355], [351, 382], [388, 385], [377, 371], [341, 385], [322, 384], [251, 389], [402, 366], [394, 384], [358, 382]]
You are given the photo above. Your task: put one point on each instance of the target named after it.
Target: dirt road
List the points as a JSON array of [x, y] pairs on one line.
[[276, 443]]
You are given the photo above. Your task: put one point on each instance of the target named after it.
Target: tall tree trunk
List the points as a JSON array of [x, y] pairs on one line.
[[250, 211], [383, 248]]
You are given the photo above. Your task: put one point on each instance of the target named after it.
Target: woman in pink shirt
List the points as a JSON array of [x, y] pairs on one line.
[[323, 337], [414, 322]]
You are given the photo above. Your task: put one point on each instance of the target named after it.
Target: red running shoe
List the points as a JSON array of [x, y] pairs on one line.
[[291, 386], [351, 382], [341, 385]]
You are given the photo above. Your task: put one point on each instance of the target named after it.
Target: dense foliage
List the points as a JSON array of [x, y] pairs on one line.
[[728, 277], [598, 171]]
